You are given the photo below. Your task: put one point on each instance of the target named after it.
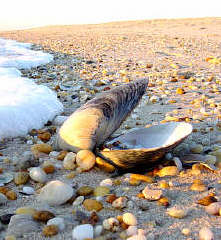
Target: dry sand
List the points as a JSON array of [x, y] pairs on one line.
[[183, 53]]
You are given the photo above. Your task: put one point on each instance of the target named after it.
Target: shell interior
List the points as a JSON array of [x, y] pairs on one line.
[[154, 137]]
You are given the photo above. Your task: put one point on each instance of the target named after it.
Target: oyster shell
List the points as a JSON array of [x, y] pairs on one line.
[[145, 145]]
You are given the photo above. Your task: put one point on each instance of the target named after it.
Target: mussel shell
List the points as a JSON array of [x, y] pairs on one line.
[[161, 139]]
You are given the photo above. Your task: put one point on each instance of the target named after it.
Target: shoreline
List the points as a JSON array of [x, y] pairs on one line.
[[185, 78]]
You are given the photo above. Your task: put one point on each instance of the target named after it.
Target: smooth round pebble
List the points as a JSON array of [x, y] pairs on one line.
[[98, 229], [25, 210], [168, 171], [186, 231], [28, 190], [131, 230], [85, 159], [50, 230], [196, 148], [38, 175], [120, 203], [213, 208], [176, 212], [58, 221], [69, 161], [84, 231], [151, 194], [21, 178], [78, 201], [111, 224], [206, 234], [106, 182], [56, 193], [129, 219]]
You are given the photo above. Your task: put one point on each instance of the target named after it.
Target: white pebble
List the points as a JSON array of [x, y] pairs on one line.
[[53, 154], [69, 161], [111, 224], [57, 221], [151, 194], [131, 230], [38, 175], [82, 232], [206, 234], [56, 193], [129, 219], [28, 190], [29, 142], [213, 208], [106, 182], [78, 201], [120, 202]]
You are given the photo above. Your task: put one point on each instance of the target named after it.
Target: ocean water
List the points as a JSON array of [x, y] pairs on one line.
[[24, 105]]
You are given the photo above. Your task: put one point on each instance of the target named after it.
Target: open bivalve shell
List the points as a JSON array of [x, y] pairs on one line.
[[145, 145]]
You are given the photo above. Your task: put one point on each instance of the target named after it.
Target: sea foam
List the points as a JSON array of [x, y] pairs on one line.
[[24, 105]]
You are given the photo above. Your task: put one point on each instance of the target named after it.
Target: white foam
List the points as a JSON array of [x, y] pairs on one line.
[[24, 105]]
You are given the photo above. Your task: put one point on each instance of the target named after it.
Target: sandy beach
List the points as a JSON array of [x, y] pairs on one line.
[[182, 59]]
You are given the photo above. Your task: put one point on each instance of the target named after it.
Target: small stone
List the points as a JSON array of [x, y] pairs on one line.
[[38, 175], [5, 219], [186, 231], [163, 201], [48, 167], [3, 199], [207, 200], [21, 178], [176, 212], [164, 184], [206, 234], [6, 178], [11, 195], [78, 201], [70, 175], [85, 159], [43, 216], [180, 91], [61, 155], [151, 194], [110, 198], [50, 230], [44, 137], [21, 224], [168, 171], [82, 232], [28, 190], [196, 148], [56, 193], [132, 230], [69, 161], [111, 224], [85, 191], [91, 204], [104, 165], [142, 178], [106, 182], [41, 148], [101, 191], [198, 186], [25, 210], [129, 219], [98, 230], [120, 203], [213, 208], [58, 221]]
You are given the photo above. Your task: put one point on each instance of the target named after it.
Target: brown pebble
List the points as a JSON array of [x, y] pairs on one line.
[[50, 230], [91, 204], [180, 91], [11, 195], [104, 165], [163, 201], [41, 148], [110, 198], [61, 155], [207, 200], [21, 178], [44, 137], [85, 191], [142, 178], [48, 168], [4, 190], [198, 185], [43, 216]]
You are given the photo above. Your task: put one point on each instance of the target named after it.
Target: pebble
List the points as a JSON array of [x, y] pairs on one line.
[[176, 212], [78, 201], [129, 219], [85, 191], [142, 178], [43, 216], [213, 208], [28, 190], [101, 191], [163, 201], [38, 175], [6, 178], [85, 159], [48, 167], [207, 200], [69, 161], [21, 224], [198, 186], [98, 230], [53, 154], [62, 155], [91, 204], [3, 199], [21, 178], [104, 166], [186, 231], [59, 120], [168, 171], [5, 219], [164, 184], [111, 224], [151, 194], [41, 148], [56, 193], [196, 148], [11, 195], [106, 182], [58, 221], [82, 232], [206, 234], [50, 230], [131, 230], [120, 203], [25, 210]]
